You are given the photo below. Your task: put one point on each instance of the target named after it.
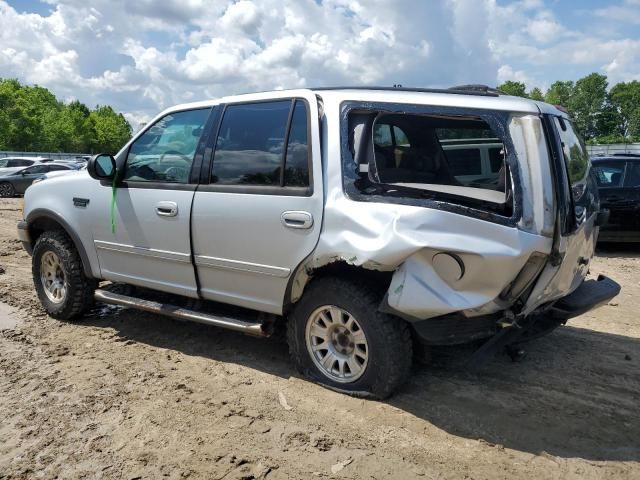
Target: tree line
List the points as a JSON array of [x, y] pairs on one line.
[[601, 114], [33, 119]]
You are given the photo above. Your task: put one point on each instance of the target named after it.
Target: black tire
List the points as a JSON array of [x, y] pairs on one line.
[[79, 289], [388, 337], [7, 190]]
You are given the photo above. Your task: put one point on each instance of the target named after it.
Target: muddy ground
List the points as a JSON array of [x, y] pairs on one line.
[[129, 395]]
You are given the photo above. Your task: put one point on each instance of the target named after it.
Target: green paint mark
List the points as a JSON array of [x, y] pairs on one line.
[[114, 187]]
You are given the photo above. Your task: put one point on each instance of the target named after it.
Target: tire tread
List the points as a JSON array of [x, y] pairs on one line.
[[80, 288]]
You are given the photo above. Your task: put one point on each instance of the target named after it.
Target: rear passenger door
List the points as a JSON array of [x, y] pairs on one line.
[[258, 212]]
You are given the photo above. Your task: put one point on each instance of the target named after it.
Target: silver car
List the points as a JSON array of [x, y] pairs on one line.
[[340, 214]]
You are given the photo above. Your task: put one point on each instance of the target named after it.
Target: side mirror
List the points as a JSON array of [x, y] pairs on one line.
[[102, 167]]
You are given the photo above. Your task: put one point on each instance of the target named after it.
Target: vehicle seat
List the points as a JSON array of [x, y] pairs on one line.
[[615, 179]]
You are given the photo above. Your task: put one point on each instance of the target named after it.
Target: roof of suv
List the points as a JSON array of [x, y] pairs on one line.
[[470, 96]]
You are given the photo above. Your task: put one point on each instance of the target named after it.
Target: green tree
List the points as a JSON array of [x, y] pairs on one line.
[[112, 130], [587, 102], [536, 94], [32, 119], [624, 98], [560, 93], [510, 87]]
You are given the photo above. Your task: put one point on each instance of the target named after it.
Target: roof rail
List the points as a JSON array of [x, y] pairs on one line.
[[637, 155], [476, 88], [489, 92]]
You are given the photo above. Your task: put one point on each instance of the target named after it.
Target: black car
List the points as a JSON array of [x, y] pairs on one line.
[[16, 183], [618, 178]]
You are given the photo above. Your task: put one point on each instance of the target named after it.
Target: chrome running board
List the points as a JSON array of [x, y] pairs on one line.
[[180, 313]]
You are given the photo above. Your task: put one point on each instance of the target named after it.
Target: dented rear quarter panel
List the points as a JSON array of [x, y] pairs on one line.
[[403, 239]]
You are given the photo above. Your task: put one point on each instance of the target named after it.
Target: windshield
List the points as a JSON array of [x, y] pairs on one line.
[[4, 162]]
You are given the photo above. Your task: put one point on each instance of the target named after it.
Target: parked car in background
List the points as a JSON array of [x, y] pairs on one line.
[[13, 164], [618, 179], [15, 183], [60, 173]]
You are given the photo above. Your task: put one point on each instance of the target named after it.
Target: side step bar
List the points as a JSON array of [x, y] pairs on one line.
[[180, 313]]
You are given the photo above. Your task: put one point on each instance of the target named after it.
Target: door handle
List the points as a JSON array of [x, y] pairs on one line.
[[167, 209], [296, 219]]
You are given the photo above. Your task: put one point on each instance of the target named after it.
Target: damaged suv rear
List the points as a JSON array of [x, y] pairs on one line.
[[369, 221], [481, 207]]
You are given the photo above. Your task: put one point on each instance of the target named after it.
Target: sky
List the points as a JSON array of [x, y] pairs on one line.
[[142, 56]]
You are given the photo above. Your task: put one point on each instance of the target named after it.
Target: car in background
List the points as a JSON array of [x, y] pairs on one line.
[[59, 173], [16, 182], [13, 164], [618, 179]]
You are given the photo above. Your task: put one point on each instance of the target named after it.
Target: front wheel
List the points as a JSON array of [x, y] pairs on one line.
[[338, 337], [62, 287], [7, 190]]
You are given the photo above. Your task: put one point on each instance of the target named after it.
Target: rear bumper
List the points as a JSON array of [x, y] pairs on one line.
[[24, 236], [588, 296]]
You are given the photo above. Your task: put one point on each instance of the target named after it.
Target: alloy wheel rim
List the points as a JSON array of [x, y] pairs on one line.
[[5, 190], [337, 344], [52, 277]]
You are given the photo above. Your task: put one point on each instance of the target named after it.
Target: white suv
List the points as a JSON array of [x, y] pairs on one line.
[[342, 213]]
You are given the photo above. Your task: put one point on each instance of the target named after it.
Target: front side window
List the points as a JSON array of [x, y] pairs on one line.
[[251, 150], [609, 174], [164, 153]]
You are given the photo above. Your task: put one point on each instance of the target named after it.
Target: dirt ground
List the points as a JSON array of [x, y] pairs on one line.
[[129, 395]]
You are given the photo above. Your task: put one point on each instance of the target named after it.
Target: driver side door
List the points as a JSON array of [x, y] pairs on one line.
[[149, 242]]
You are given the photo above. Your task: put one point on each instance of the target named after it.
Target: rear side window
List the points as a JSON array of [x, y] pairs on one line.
[[17, 162], [575, 155], [609, 174], [164, 153], [251, 150], [36, 169], [633, 175], [425, 155], [53, 168]]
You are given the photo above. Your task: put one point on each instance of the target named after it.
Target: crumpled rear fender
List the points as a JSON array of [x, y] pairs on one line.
[[404, 240]]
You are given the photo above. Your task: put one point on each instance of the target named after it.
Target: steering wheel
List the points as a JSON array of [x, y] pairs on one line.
[[178, 173], [182, 156]]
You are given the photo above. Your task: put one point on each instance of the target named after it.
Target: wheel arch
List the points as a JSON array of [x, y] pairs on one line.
[[304, 275], [42, 220]]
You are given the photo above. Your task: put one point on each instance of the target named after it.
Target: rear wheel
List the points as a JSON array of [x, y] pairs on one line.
[[7, 190], [338, 337], [62, 287]]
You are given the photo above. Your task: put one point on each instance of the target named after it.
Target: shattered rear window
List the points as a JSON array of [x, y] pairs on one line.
[[459, 159]]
